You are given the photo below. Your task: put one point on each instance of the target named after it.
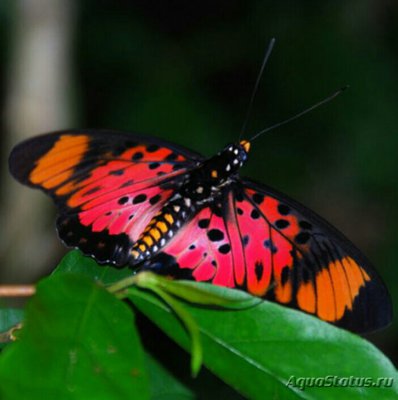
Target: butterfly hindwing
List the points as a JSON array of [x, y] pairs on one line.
[[261, 241], [314, 267], [107, 184]]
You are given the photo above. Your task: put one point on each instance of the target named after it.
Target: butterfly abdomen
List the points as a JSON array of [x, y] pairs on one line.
[[162, 228]]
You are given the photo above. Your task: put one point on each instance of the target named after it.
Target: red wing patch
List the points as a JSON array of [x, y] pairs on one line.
[[106, 184]]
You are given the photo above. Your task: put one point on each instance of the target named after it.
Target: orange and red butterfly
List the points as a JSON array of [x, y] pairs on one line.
[[137, 201]]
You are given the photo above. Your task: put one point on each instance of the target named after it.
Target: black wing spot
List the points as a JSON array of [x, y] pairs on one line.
[[259, 270], [285, 275], [192, 247], [245, 240], [225, 248], [154, 165], [152, 148], [282, 223], [139, 198], [108, 213], [172, 157], [283, 209], [302, 237], [117, 172], [255, 214], [269, 245], [154, 199], [92, 190], [137, 156], [204, 223], [258, 198], [127, 183], [239, 211], [215, 235], [214, 263], [123, 200]]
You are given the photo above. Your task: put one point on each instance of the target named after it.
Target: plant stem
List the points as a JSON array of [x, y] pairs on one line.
[[17, 290]]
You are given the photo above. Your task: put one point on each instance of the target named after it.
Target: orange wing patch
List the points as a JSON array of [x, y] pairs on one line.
[[337, 286], [325, 296], [57, 165], [283, 292], [342, 294], [306, 297]]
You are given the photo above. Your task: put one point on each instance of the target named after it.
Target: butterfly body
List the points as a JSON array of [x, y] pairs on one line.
[[200, 187], [138, 201]]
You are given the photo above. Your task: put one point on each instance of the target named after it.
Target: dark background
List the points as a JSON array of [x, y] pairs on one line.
[[185, 71]]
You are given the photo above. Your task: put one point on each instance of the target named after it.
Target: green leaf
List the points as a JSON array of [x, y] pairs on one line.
[[76, 262], [78, 342], [165, 386], [259, 350]]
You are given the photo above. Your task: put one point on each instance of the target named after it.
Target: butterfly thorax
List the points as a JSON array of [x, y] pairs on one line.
[[201, 186]]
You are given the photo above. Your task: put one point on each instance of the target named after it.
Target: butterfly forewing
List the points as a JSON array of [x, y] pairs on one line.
[[108, 185]]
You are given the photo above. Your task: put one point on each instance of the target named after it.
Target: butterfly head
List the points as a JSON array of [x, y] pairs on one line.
[[245, 144], [230, 159]]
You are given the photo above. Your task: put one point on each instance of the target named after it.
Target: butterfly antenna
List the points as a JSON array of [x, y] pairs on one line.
[[260, 74], [286, 121]]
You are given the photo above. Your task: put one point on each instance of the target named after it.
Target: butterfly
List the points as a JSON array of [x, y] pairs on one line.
[[142, 202]]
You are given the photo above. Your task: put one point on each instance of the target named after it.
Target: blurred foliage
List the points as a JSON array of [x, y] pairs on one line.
[[185, 70]]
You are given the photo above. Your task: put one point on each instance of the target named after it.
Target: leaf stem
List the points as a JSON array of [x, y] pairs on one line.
[[142, 279], [188, 322], [122, 284]]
